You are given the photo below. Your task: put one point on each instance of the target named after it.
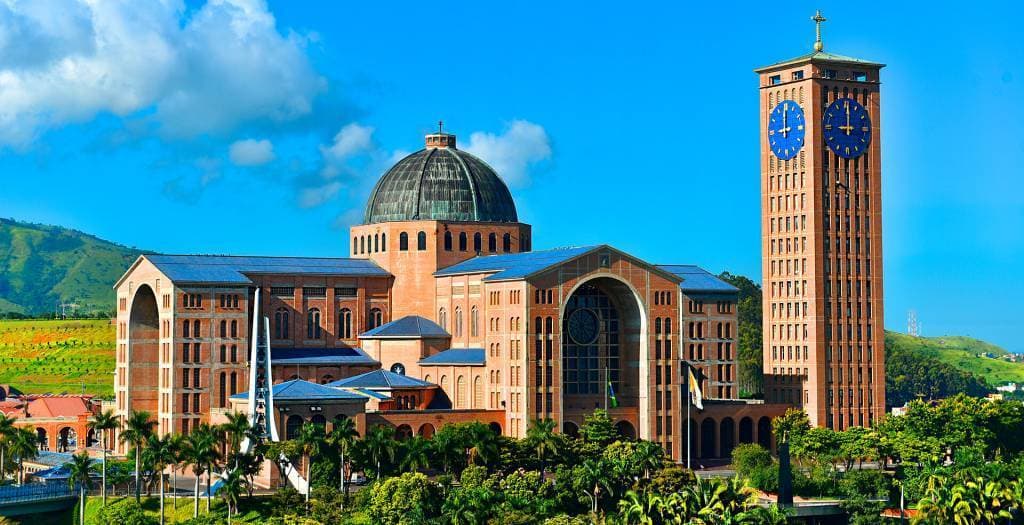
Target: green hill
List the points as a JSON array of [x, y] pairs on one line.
[[41, 356], [41, 265], [985, 360]]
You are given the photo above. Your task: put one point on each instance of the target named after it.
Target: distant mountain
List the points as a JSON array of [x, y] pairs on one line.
[[41, 265], [985, 360]]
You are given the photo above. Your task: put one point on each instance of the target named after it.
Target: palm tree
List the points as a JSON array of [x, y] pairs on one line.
[[342, 436], [380, 444], [483, 444], [649, 457], [201, 452], [595, 479], [23, 445], [177, 446], [136, 430], [311, 440], [415, 454], [448, 447], [231, 488], [641, 509], [237, 428], [946, 501], [542, 439], [159, 453], [101, 423], [6, 433], [81, 470]]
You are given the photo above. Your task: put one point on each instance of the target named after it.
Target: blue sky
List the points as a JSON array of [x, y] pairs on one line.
[[243, 127]]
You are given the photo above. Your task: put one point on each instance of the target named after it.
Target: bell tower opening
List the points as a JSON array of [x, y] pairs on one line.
[[143, 352]]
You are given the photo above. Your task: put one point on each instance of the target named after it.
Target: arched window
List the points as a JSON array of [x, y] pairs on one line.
[[313, 323], [462, 241], [223, 353], [492, 242], [234, 328], [421, 241], [185, 328], [345, 323], [376, 319], [474, 322], [460, 392], [292, 426], [195, 328], [477, 241], [458, 321], [506, 243], [383, 242], [444, 385], [478, 392], [223, 328], [281, 323], [376, 243], [442, 318], [362, 245], [403, 241], [355, 245], [448, 241]]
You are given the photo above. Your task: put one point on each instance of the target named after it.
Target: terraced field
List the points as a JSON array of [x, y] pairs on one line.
[[40, 356]]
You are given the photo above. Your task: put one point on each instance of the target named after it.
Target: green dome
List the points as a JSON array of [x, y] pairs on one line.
[[440, 183]]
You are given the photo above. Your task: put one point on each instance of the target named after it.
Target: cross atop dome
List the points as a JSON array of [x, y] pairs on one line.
[[440, 139], [818, 19]]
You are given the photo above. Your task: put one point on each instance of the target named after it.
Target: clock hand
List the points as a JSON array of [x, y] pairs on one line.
[[785, 128], [847, 128]]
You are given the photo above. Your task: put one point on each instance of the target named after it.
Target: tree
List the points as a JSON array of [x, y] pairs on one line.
[[342, 436], [80, 471], [482, 442], [644, 508], [409, 498], [159, 454], [380, 445], [23, 446], [237, 428], [200, 454], [447, 445], [649, 457], [101, 423], [415, 454], [791, 426], [542, 439], [598, 428], [749, 355], [137, 429], [231, 489], [593, 480], [311, 441], [7, 432]]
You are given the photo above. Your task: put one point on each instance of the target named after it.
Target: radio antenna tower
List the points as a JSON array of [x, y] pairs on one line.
[[913, 327]]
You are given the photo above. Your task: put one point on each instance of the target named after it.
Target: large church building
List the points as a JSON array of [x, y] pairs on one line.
[[442, 313]]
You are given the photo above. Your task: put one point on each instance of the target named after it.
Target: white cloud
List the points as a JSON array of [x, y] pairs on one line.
[[353, 139], [251, 152], [521, 145], [188, 72], [315, 196]]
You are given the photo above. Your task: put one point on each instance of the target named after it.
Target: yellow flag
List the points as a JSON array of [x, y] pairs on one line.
[[695, 393]]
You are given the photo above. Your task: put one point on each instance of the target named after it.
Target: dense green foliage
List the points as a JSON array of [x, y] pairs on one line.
[[749, 356], [959, 364], [41, 265]]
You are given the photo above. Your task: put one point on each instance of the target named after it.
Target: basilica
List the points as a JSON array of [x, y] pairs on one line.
[[442, 312]]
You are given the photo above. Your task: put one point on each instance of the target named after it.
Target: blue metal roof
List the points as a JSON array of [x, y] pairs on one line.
[[515, 265], [51, 459], [380, 379], [456, 356], [232, 269], [302, 390], [408, 326], [697, 279], [320, 356]]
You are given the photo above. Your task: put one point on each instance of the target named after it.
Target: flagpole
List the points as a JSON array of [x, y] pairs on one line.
[[606, 383], [689, 453]]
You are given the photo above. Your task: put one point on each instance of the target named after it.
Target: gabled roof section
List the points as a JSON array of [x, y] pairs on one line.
[[697, 279], [510, 266], [820, 56], [320, 356], [380, 380], [408, 327], [301, 390], [457, 357], [229, 269]]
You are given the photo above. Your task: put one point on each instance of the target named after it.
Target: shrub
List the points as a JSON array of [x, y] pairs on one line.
[[125, 512], [407, 499]]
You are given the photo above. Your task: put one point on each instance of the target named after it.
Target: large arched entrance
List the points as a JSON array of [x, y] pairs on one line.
[[727, 434], [67, 440], [603, 344], [707, 438], [144, 352], [746, 430], [764, 432]]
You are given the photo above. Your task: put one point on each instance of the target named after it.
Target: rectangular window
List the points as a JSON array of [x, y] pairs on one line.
[[282, 291], [774, 79], [860, 76], [798, 75], [317, 291]]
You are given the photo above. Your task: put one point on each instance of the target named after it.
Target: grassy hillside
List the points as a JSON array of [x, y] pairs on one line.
[[963, 353], [58, 356], [40, 265]]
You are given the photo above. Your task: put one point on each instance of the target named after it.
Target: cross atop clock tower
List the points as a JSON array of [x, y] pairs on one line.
[[821, 230]]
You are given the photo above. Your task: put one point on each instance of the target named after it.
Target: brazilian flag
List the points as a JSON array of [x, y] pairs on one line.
[[613, 402]]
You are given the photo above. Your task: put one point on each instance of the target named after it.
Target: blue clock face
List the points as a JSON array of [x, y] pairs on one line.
[[786, 129], [847, 128]]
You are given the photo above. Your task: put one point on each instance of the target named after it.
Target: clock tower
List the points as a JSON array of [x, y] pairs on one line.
[[821, 231]]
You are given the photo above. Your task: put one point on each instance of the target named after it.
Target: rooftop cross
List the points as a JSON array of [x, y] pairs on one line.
[[440, 126], [818, 19]]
